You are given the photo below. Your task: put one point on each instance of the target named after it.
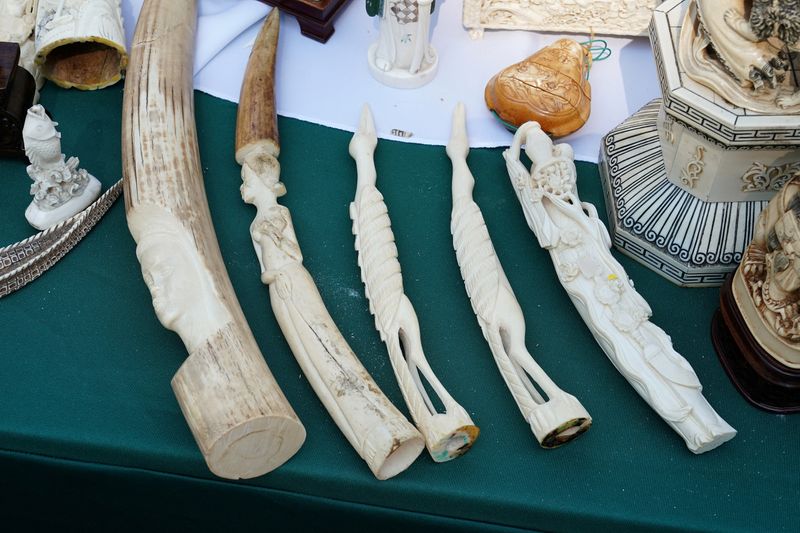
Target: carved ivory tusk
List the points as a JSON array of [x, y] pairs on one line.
[[240, 419], [381, 435], [616, 314], [555, 417], [449, 434]]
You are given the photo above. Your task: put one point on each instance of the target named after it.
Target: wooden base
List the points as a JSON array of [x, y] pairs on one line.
[[762, 381], [315, 17], [17, 91]]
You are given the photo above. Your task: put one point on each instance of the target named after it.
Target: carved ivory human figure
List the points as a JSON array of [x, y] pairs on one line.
[[243, 424], [556, 417], [767, 285], [449, 434], [184, 297], [374, 427], [60, 189], [402, 57], [745, 61], [616, 314]]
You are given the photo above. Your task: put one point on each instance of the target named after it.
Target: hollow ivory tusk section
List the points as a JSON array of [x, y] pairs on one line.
[[449, 434], [240, 419], [555, 417]]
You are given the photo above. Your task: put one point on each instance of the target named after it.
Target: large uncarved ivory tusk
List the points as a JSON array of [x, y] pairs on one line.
[[615, 313], [449, 434], [555, 416], [374, 427], [240, 419]]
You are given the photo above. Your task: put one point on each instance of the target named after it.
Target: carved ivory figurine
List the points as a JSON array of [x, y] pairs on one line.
[[60, 189], [756, 332], [17, 21], [381, 435], [767, 286], [556, 417], [746, 61], [402, 57], [449, 434], [243, 424], [616, 314]]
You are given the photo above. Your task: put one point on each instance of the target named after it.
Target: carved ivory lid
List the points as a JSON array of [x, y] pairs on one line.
[[699, 107]]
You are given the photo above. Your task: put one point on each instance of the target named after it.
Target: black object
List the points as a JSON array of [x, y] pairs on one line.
[[314, 16], [17, 90]]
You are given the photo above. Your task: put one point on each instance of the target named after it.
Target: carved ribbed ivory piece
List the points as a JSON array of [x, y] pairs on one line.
[[81, 43], [616, 314], [556, 417], [449, 434], [381, 435], [240, 419], [402, 57]]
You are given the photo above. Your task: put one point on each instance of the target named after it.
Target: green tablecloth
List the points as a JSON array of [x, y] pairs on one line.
[[91, 435]]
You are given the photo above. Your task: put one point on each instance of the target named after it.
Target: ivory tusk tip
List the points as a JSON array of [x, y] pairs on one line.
[[458, 146], [366, 125]]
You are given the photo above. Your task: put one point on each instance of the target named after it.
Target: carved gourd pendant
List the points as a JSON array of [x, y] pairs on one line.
[[550, 87]]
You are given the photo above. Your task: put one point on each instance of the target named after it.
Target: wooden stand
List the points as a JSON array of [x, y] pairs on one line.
[[17, 89], [315, 17], [762, 381]]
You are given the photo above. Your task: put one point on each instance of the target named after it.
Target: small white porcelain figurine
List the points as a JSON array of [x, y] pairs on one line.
[[616, 314], [402, 57], [60, 189], [451, 433], [555, 417]]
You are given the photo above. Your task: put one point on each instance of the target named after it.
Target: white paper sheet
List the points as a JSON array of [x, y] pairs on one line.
[[327, 84]]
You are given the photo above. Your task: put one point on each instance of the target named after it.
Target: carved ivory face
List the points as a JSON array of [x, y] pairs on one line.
[[183, 293], [786, 259], [260, 179]]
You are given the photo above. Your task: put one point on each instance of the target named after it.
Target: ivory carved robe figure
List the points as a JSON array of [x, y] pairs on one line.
[[616, 314], [402, 57]]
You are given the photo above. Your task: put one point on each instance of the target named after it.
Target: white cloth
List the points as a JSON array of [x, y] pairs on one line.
[[327, 84]]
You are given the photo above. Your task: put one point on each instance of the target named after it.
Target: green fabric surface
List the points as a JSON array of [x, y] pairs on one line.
[[85, 365]]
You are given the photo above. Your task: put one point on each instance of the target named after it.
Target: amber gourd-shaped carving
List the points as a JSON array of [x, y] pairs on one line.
[[550, 87]]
